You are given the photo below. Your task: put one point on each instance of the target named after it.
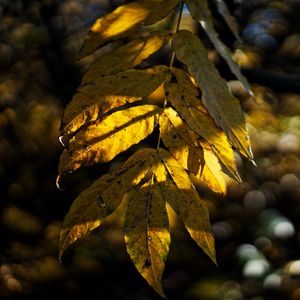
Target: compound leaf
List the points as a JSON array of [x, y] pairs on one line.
[[147, 233], [93, 205], [106, 93], [123, 21], [103, 140]]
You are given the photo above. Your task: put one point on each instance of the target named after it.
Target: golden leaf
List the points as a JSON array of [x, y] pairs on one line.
[[103, 197], [127, 56], [200, 12], [102, 141], [193, 154], [123, 21], [184, 97], [183, 197], [221, 104], [110, 92], [147, 233]]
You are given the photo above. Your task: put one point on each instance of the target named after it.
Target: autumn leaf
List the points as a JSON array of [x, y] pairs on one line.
[[93, 205], [201, 13], [183, 197], [193, 154], [221, 104], [184, 97], [123, 21], [102, 141], [106, 93], [127, 56], [147, 233]]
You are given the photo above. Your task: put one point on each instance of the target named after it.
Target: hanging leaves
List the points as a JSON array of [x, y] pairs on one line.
[[216, 97], [197, 125], [123, 21], [98, 98]]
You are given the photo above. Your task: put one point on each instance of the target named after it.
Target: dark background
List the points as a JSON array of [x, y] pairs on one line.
[[256, 226]]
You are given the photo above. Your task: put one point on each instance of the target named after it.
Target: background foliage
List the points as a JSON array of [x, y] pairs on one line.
[[256, 226]]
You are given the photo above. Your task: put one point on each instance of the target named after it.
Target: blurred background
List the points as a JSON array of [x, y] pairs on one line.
[[256, 226]]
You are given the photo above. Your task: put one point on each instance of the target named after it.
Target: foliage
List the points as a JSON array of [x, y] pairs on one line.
[[199, 123]]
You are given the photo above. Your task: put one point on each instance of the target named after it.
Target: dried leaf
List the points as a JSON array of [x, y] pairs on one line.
[[123, 21], [102, 141], [147, 233], [127, 56], [103, 197], [229, 19], [193, 154], [185, 200], [184, 97], [200, 12], [104, 94], [221, 104]]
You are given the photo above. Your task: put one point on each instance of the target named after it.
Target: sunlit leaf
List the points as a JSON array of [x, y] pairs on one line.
[[200, 12], [184, 97], [183, 197], [103, 197], [229, 19], [127, 56], [147, 234], [193, 154], [106, 93], [123, 21], [102, 141], [221, 104]]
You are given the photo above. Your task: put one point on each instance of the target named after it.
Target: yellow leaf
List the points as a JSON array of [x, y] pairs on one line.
[[95, 99], [102, 141], [180, 141], [184, 199], [123, 21], [200, 12], [147, 234], [211, 173], [103, 197], [194, 155], [229, 19], [127, 56], [221, 104], [184, 97]]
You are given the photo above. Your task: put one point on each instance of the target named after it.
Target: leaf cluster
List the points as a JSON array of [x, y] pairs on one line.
[[199, 124]]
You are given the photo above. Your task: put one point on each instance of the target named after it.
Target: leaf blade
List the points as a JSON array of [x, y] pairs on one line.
[[223, 107], [86, 214], [94, 100], [147, 235], [123, 21], [101, 142]]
